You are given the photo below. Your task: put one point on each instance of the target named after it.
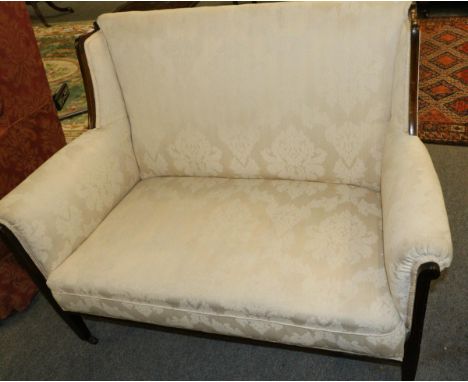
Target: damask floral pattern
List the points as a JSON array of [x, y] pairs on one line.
[[193, 154], [388, 345], [55, 209], [251, 105], [358, 240], [249, 257], [293, 155], [241, 146]]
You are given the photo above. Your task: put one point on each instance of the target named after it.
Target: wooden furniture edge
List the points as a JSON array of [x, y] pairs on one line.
[[414, 71], [86, 74], [426, 273]]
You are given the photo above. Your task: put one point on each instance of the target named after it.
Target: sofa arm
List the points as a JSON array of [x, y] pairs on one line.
[[415, 224], [64, 200]]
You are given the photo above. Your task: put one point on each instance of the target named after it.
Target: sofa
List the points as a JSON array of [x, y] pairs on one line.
[[251, 173]]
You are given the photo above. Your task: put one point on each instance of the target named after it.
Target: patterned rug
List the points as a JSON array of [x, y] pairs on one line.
[[443, 81], [57, 48]]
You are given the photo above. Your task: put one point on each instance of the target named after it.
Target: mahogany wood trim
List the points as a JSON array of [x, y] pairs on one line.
[[426, 273], [154, 5], [414, 72], [86, 74]]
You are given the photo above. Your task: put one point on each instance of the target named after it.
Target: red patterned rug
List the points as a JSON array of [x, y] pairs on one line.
[[443, 81]]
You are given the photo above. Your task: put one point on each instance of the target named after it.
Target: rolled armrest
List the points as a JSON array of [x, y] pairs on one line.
[[415, 224], [64, 200]]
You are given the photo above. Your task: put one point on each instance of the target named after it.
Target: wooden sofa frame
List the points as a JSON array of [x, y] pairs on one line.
[[425, 274]]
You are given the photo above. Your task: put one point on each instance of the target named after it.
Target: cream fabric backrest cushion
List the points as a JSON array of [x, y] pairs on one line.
[[294, 90]]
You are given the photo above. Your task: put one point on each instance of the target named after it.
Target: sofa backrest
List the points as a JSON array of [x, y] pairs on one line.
[[288, 90]]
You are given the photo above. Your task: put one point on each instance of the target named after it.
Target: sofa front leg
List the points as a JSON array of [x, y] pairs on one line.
[[426, 273], [76, 323], [73, 320]]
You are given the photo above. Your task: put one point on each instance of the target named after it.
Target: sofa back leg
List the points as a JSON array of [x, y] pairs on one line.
[[73, 320], [426, 273]]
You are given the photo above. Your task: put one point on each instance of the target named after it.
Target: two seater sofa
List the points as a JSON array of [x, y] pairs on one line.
[[250, 174]]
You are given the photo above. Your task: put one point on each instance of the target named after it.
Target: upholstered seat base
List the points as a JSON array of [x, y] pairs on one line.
[[285, 261]]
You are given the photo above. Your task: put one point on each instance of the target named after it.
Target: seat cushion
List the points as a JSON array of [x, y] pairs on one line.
[[284, 261]]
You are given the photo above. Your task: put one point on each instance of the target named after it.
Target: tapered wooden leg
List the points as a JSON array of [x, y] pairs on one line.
[[426, 273], [76, 323], [73, 320], [410, 365]]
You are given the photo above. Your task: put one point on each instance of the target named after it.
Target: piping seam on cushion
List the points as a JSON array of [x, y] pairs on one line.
[[233, 316]]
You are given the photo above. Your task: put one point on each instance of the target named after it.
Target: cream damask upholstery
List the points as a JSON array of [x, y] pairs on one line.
[[255, 91], [416, 228], [250, 174], [65, 199], [247, 257]]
